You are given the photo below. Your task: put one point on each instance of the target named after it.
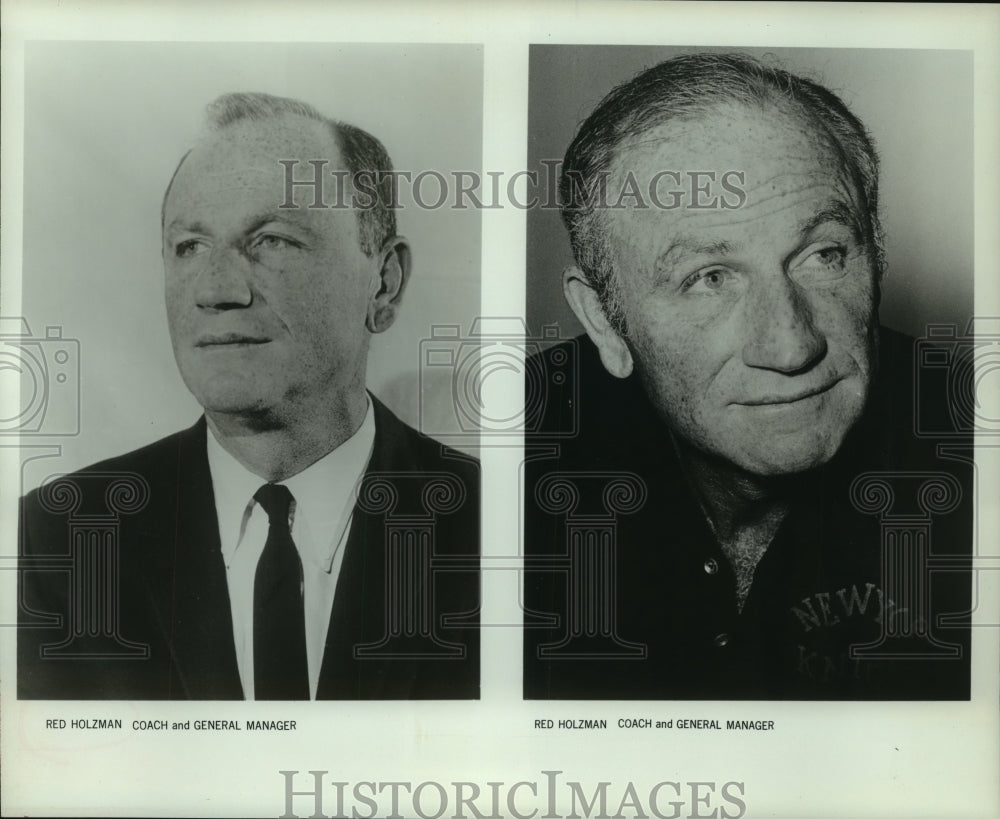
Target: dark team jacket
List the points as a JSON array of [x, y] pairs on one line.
[[628, 595], [123, 592]]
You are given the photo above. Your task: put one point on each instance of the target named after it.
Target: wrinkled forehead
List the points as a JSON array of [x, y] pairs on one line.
[[247, 155], [728, 165], [763, 143]]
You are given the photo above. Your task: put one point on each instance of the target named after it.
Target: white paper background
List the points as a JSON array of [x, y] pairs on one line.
[[822, 759]]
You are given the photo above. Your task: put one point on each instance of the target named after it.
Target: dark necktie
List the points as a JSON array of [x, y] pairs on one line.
[[281, 671]]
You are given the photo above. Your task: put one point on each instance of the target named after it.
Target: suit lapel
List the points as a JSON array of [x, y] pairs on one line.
[[359, 615], [190, 590]]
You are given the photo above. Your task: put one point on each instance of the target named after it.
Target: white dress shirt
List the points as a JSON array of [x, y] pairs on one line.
[[320, 518]]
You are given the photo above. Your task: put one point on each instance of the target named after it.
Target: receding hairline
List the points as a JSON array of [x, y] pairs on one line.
[[684, 86], [812, 126], [330, 130], [358, 153], [827, 150]]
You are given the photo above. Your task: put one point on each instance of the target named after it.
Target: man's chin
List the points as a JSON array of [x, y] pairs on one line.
[[783, 442], [782, 459], [235, 405]]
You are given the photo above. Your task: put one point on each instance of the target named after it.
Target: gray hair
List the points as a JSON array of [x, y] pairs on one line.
[[363, 155], [685, 87]]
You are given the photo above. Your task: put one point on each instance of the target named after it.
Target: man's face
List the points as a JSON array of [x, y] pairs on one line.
[[754, 329], [266, 305]]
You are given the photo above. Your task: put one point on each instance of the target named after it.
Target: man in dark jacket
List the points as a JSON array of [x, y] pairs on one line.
[[739, 505], [289, 545]]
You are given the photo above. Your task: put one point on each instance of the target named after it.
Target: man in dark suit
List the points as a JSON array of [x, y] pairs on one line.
[[299, 541], [730, 498]]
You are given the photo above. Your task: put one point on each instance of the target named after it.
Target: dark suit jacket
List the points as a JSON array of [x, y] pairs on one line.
[[154, 621], [666, 624]]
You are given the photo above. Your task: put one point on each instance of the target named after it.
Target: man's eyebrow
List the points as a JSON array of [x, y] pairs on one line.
[[179, 224], [838, 213], [690, 247], [280, 217], [255, 222]]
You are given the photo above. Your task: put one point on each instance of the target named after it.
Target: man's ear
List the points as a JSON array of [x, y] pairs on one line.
[[388, 283], [583, 299]]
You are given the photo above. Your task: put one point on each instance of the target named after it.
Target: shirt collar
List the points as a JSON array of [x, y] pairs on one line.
[[324, 493]]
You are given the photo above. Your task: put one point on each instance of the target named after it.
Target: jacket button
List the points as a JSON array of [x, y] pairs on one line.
[[711, 566]]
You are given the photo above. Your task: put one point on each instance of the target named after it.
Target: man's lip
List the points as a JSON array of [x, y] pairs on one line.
[[781, 400], [229, 339]]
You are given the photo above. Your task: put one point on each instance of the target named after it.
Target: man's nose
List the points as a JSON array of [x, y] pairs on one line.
[[780, 331], [224, 282]]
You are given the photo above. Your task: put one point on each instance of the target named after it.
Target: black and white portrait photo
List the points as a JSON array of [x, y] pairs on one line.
[[269, 530], [758, 486]]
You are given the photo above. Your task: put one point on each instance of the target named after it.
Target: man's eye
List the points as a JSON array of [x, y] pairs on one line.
[[830, 256], [711, 280], [824, 264], [189, 247], [271, 242]]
